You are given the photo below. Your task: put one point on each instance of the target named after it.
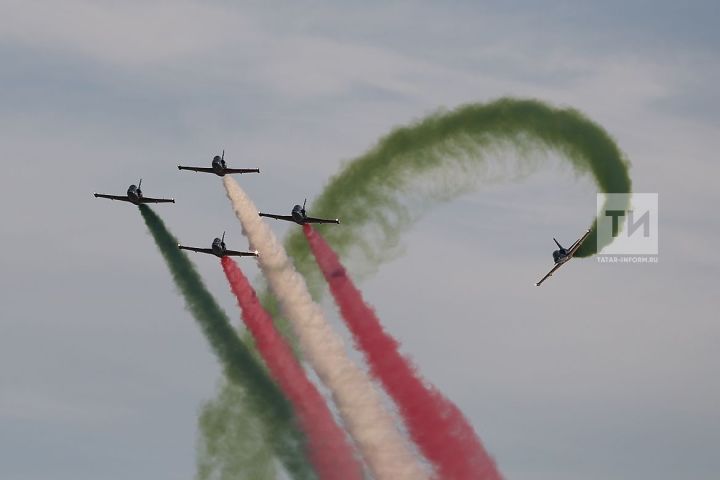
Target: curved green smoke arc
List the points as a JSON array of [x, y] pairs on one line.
[[380, 194]]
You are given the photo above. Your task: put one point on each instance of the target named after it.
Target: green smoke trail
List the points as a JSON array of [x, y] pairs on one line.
[[231, 445], [262, 398], [380, 194]]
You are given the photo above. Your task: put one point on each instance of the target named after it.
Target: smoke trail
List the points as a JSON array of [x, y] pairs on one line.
[[231, 442], [437, 426], [381, 193], [263, 397], [360, 406], [330, 452]]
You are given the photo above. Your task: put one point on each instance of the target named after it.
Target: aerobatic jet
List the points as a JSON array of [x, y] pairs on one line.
[[218, 249], [299, 216], [219, 168], [135, 196], [562, 255]]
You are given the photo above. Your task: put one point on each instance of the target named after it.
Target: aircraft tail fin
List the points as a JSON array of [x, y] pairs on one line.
[[558, 244], [223, 238]]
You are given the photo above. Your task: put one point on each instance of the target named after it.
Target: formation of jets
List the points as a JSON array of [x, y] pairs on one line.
[[218, 167], [297, 215]]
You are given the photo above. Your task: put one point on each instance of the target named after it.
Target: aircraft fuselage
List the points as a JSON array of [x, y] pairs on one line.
[[134, 194], [560, 256], [218, 248], [218, 166], [298, 214]]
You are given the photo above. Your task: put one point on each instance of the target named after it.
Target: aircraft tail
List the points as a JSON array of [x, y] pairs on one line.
[[558, 244]]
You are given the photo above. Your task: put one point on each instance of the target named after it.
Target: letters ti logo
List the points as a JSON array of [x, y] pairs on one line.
[[629, 221]]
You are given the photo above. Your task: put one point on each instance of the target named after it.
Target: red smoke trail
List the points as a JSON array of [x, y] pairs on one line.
[[330, 452], [436, 425]]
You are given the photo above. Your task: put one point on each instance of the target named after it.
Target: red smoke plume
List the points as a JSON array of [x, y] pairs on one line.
[[329, 449], [436, 425]]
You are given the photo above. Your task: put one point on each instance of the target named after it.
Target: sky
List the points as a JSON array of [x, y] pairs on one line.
[[606, 372]]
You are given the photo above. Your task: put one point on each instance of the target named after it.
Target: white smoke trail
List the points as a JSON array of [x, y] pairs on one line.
[[370, 424]]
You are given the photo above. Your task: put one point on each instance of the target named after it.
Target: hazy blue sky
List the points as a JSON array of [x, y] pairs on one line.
[[606, 372]]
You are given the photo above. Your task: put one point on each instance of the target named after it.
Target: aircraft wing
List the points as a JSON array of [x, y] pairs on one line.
[[197, 169], [242, 170], [575, 246], [156, 200], [320, 220], [195, 249], [235, 253], [549, 274], [123, 198], [288, 218]]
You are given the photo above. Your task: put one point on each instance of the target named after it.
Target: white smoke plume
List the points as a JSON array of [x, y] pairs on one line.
[[383, 447]]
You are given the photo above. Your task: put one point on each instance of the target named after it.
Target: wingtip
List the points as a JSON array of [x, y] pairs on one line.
[[95, 194], [257, 254], [337, 220]]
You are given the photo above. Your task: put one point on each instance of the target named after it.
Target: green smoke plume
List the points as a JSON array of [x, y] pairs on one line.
[[380, 194], [262, 398], [231, 444]]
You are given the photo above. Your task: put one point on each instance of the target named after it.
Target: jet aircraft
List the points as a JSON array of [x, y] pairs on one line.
[[219, 168], [561, 256], [135, 196], [218, 249], [299, 216]]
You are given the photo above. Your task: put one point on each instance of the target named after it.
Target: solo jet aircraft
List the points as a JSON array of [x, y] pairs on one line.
[[219, 168], [299, 216], [135, 196], [563, 255], [218, 249]]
